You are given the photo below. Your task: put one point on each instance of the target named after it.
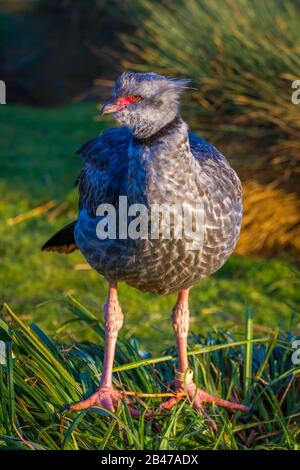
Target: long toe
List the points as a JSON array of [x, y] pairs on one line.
[[197, 399], [107, 398], [197, 404], [170, 403], [204, 397], [93, 400]]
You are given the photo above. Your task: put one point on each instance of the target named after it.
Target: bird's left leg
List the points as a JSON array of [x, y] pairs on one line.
[[105, 395], [183, 384]]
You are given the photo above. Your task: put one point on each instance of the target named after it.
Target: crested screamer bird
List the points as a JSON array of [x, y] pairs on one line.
[[152, 161]]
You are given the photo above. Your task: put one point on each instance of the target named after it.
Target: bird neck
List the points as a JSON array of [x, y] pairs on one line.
[[167, 139], [160, 163], [161, 133]]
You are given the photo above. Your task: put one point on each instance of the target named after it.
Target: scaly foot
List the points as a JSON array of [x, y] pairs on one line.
[[198, 397], [105, 397]]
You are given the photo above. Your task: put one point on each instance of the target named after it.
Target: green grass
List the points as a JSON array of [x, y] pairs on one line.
[[39, 375], [42, 373], [38, 164]]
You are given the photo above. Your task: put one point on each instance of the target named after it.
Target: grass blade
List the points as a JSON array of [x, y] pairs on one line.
[[248, 351]]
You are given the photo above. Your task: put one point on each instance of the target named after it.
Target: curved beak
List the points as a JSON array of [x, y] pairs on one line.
[[115, 104], [111, 106]]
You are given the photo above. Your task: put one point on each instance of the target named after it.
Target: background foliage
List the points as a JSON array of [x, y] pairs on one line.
[[59, 58]]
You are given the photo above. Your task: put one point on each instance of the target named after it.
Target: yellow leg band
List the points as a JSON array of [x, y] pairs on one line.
[[186, 376]]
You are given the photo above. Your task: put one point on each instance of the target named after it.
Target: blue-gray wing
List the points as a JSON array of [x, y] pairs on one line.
[[221, 192], [213, 164], [201, 149], [103, 177]]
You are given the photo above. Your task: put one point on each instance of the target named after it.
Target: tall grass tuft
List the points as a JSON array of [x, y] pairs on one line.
[[243, 56], [39, 375], [271, 222]]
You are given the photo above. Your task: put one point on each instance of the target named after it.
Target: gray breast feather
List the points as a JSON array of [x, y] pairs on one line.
[[164, 266], [215, 166], [104, 175]]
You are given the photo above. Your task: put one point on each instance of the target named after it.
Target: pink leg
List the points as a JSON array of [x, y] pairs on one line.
[[183, 383], [113, 323], [105, 396], [181, 321]]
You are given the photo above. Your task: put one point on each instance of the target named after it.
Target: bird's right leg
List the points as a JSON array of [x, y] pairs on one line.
[[183, 384], [105, 395]]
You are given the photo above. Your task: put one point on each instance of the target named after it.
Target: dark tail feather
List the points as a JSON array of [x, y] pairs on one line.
[[62, 241]]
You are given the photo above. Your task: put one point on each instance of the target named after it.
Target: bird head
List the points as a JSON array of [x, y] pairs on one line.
[[145, 102]]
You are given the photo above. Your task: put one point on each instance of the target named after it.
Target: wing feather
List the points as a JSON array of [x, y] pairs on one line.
[[103, 177]]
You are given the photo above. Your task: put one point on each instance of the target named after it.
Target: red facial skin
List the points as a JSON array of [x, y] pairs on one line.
[[124, 101], [115, 105]]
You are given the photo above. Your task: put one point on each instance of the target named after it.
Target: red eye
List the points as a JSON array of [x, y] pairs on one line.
[[135, 98]]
